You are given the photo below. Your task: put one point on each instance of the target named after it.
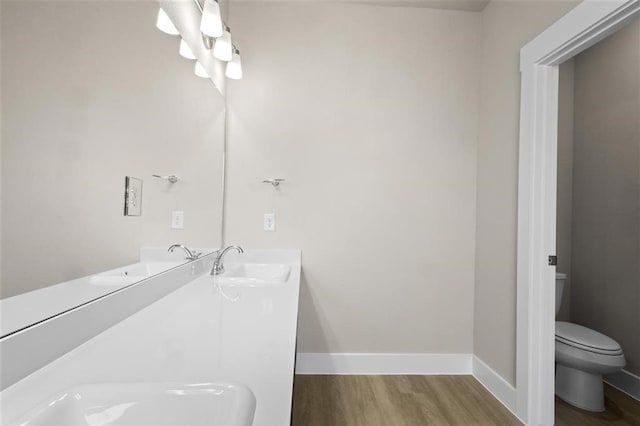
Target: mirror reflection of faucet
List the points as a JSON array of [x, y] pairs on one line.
[[190, 255], [218, 265]]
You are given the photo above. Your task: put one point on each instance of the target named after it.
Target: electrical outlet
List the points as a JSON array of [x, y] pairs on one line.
[[177, 220], [269, 222]]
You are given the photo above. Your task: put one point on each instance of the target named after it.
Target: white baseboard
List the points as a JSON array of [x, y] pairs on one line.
[[383, 364], [494, 383], [626, 382]]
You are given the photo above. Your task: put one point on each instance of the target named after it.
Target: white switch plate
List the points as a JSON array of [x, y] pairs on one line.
[[269, 222], [177, 220]]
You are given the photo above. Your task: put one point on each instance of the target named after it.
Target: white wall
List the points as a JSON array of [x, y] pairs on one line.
[[506, 27], [93, 92], [370, 114]]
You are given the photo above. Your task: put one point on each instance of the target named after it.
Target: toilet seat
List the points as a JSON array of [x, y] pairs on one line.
[[586, 339]]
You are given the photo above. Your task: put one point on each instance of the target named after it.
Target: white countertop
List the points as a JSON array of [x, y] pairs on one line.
[[25, 309], [195, 334]]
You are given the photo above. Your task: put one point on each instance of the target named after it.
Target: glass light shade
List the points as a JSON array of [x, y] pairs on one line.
[[223, 48], [164, 24], [200, 71], [211, 22], [234, 67], [185, 50]]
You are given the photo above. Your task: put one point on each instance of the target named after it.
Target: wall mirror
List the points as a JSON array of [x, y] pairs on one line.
[[93, 92]]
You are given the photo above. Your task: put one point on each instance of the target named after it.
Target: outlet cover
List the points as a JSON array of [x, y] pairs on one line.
[[270, 222], [177, 220]]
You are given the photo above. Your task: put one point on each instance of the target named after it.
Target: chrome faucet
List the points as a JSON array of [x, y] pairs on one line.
[[218, 266], [190, 255]]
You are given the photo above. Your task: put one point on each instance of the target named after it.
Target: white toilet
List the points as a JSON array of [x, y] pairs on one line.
[[582, 357]]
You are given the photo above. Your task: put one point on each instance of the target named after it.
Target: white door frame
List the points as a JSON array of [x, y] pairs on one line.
[[585, 25]]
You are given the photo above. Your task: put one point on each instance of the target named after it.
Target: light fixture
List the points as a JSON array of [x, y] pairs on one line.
[[211, 22], [223, 48], [234, 66], [164, 24], [208, 42], [200, 71], [216, 37], [185, 51]]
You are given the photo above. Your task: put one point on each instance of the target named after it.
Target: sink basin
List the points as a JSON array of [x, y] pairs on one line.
[[146, 404], [254, 274], [144, 269], [113, 280]]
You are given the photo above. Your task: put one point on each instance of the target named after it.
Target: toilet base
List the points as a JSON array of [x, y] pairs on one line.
[[579, 388]]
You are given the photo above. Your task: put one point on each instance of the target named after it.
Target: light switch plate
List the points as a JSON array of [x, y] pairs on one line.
[[132, 196]]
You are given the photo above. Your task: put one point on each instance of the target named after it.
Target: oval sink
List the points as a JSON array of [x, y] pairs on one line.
[[131, 273], [146, 404], [254, 274], [111, 280]]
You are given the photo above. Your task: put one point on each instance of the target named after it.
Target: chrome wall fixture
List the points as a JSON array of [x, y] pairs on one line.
[[274, 181], [170, 178], [216, 38]]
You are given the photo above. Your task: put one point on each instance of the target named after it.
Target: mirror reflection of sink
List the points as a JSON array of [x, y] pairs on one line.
[[106, 280], [132, 273], [254, 274], [143, 269], [146, 404]]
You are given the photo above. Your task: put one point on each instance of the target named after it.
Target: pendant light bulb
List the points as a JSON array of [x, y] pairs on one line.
[[211, 22], [234, 66], [185, 51], [164, 24], [223, 49], [200, 71]]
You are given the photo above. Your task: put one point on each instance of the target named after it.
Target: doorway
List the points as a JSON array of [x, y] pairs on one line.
[[585, 25], [598, 229]]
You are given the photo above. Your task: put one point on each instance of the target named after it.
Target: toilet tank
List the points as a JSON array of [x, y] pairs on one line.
[[560, 279]]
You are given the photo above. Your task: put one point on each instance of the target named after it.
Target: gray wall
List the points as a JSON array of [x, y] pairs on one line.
[[605, 261], [371, 115], [564, 218], [93, 92], [506, 26]]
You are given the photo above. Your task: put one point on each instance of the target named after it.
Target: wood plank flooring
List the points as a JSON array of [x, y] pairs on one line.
[[395, 401], [620, 409]]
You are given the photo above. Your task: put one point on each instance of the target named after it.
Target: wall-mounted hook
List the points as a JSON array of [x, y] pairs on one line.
[[275, 181], [170, 178]]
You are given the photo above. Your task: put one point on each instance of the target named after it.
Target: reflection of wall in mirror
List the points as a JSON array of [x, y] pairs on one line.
[[93, 92]]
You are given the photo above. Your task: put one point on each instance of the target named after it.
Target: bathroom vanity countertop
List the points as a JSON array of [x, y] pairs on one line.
[[195, 334], [23, 310]]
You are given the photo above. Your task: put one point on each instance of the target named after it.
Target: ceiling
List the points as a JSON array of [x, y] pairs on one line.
[[467, 5]]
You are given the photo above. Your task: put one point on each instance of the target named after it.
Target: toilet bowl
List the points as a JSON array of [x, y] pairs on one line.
[[582, 357]]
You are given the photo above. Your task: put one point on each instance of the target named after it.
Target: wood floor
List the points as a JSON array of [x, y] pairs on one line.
[[620, 409], [395, 401]]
